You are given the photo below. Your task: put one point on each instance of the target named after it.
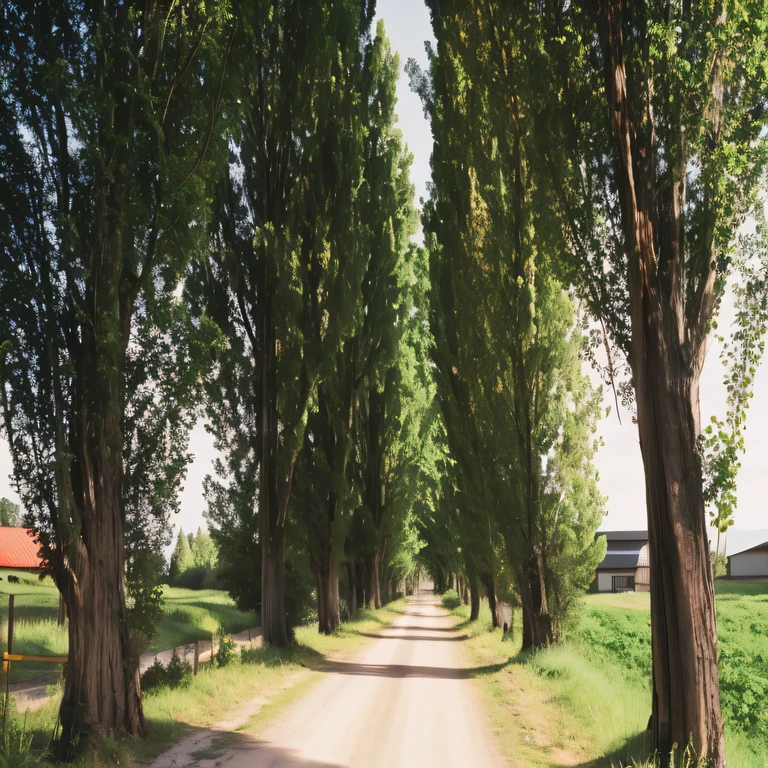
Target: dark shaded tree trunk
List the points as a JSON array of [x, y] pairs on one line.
[[493, 604], [474, 593], [537, 623], [374, 589], [352, 590], [667, 350], [272, 508], [327, 578]]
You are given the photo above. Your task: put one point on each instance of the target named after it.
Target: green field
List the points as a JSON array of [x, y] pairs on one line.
[[189, 615], [587, 702]]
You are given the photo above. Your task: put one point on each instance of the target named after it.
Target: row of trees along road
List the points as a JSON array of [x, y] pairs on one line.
[[209, 211], [626, 143], [207, 204]]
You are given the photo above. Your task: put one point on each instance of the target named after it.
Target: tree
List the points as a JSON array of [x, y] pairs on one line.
[[181, 559], [204, 551], [650, 125], [280, 280], [106, 115], [10, 513], [518, 413]]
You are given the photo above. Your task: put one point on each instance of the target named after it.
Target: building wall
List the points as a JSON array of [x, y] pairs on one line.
[[605, 579], [749, 563], [643, 579]]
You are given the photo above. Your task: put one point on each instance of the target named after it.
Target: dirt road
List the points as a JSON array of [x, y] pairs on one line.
[[404, 702]]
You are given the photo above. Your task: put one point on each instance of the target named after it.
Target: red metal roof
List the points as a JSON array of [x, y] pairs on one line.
[[18, 549]]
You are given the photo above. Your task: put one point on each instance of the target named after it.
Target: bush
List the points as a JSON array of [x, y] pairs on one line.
[[197, 577], [451, 600], [226, 647], [176, 674], [153, 677]]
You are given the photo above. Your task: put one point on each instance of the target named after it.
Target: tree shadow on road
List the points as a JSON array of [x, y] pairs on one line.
[[413, 637], [237, 749], [399, 671]]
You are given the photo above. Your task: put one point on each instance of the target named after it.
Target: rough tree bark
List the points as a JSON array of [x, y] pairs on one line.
[[272, 508], [537, 623], [326, 570], [667, 351], [102, 694]]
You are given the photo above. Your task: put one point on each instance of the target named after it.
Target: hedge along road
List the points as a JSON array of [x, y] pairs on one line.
[[405, 700]]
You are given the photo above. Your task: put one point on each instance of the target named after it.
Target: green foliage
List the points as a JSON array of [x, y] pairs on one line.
[[519, 416], [450, 600], [16, 744], [10, 513], [177, 674], [722, 442], [621, 637], [225, 647], [181, 559], [719, 564]]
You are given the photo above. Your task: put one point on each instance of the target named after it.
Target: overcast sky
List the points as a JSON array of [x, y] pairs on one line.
[[619, 462]]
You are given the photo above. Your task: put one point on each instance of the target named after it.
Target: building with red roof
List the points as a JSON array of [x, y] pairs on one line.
[[18, 549]]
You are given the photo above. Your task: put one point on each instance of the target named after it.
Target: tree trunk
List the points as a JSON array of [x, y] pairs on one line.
[[374, 591], [272, 508], [686, 695], [670, 319], [102, 694], [490, 588], [352, 583], [537, 623], [327, 578], [474, 592]]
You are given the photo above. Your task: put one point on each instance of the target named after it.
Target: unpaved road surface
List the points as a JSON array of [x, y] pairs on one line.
[[404, 702]]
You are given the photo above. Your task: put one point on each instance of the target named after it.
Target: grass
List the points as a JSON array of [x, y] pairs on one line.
[[189, 615], [587, 702], [279, 677]]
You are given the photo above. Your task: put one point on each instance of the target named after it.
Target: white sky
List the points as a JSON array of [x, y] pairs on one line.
[[619, 461]]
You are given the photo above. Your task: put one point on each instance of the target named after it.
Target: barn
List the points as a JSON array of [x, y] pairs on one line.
[[626, 566], [751, 562], [18, 549]]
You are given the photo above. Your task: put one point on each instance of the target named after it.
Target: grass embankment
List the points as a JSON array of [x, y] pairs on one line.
[[587, 702], [278, 677], [189, 615]]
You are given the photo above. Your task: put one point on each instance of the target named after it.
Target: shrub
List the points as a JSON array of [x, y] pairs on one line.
[[451, 600], [226, 647], [176, 674], [153, 677]]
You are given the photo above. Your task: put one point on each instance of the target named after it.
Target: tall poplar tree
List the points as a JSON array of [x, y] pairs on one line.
[[105, 118], [282, 275], [651, 131], [517, 410]]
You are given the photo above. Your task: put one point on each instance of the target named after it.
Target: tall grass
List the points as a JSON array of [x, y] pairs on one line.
[[592, 693]]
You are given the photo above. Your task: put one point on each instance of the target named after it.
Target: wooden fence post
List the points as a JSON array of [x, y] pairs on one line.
[[7, 664]]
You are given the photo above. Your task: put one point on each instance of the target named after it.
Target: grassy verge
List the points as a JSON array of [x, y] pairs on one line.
[[587, 702], [278, 677], [189, 615]]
